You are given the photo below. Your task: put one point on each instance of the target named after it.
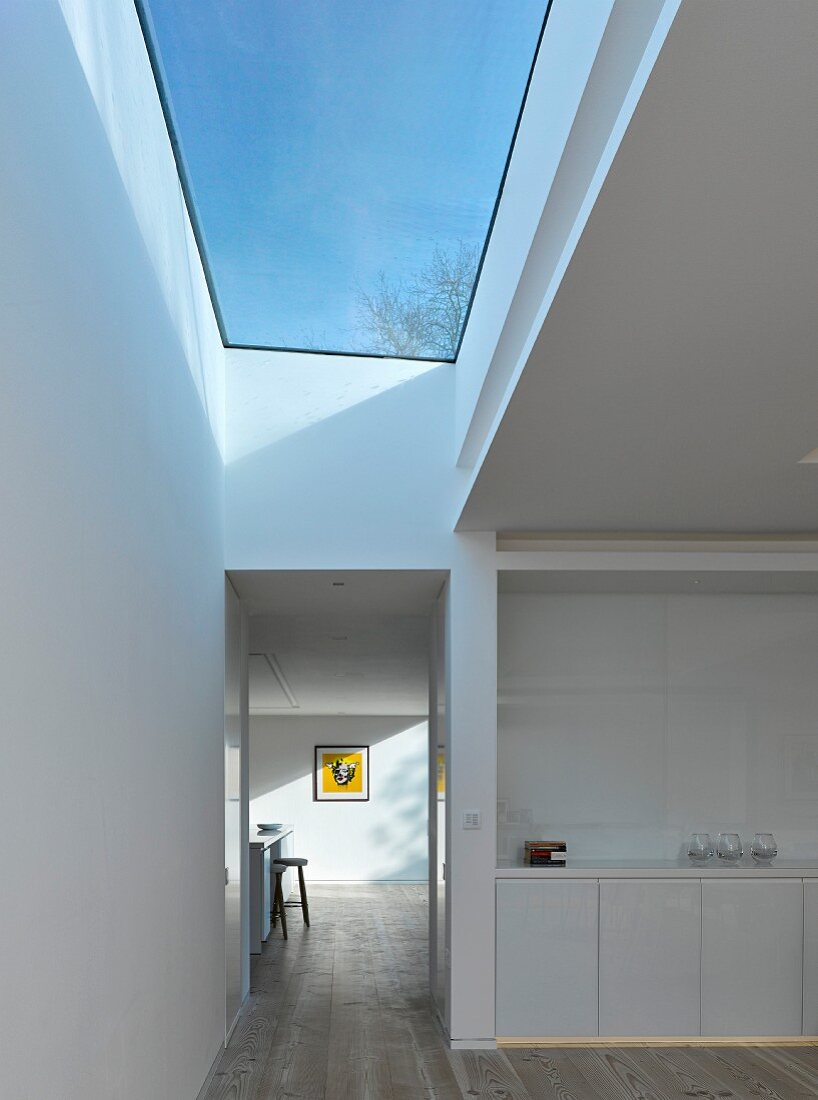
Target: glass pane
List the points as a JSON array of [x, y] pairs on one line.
[[343, 160]]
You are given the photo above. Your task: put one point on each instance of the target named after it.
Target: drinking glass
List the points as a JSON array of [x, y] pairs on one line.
[[764, 848], [729, 847], [700, 848]]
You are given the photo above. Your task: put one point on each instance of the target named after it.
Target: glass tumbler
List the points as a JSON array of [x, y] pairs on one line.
[[763, 848], [729, 847], [700, 848]]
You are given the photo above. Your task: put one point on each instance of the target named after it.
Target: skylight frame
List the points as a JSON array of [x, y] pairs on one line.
[[185, 183]]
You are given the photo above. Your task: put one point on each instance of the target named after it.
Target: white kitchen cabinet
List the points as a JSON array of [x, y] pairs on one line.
[[752, 957], [810, 1022], [547, 959], [649, 953]]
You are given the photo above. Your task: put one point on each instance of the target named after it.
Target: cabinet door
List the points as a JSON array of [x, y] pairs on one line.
[[649, 957], [752, 957], [810, 1024], [547, 959]]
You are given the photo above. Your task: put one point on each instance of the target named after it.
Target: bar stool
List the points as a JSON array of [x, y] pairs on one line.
[[278, 870], [299, 863]]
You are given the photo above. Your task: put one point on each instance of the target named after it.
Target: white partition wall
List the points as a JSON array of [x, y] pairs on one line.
[[471, 714], [112, 628]]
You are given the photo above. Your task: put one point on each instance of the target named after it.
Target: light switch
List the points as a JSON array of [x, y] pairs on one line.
[[472, 819]]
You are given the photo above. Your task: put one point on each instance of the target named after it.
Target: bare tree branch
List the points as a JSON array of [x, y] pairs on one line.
[[423, 317]]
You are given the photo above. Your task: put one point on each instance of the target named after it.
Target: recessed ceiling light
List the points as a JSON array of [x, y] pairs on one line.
[[338, 584], [811, 457], [340, 637]]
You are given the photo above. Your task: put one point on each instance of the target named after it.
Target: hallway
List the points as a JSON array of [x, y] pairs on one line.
[[340, 1012]]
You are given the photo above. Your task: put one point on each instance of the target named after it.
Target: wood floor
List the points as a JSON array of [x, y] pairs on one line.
[[340, 1012]]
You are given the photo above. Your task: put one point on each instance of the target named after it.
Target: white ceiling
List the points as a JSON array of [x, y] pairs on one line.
[[346, 642], [674, 384]]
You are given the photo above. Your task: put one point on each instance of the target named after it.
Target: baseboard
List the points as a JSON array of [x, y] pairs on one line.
[[232, 1027], [211, 1073], [660, 1041], [473, 1044]]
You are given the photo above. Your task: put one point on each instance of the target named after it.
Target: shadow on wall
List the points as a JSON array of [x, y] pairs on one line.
[[397, 834], [378, 473], [384, 839]]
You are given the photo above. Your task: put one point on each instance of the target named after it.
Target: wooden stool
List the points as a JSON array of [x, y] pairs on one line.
[[299, 864], [278, 870]]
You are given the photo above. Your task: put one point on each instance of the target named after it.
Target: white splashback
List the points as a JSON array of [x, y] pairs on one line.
[[628, 721]]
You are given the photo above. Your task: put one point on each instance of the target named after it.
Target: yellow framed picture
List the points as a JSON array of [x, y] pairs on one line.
[[441, 773], [341, 773]]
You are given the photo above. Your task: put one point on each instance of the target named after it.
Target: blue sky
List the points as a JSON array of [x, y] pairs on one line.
[[327, 142]]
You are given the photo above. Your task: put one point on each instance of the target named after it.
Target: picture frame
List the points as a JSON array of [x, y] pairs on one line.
[[341, 773]]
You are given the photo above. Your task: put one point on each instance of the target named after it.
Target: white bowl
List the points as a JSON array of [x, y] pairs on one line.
[[269, 828]]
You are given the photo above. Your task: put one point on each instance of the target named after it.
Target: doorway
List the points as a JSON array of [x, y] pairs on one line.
[[346, 663]]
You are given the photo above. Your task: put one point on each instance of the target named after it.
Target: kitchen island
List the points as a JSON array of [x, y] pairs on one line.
[[265, 847]]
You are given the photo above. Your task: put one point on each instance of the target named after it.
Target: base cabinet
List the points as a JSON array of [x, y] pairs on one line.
[[547, 972], [657, 958], [810, 1026], [649, 946], [752, 957]]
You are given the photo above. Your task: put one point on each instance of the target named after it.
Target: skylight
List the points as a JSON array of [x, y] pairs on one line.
[[342, 159]]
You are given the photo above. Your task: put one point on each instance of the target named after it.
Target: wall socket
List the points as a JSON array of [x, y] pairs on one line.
[[472, 819]]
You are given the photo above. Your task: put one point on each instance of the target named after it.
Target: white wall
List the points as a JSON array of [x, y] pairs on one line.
[[383, 839], [111, 633], [371, 486], [627, 722], [111, 50]]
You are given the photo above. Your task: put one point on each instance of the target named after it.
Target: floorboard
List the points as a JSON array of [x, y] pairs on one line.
[[340, 1011]]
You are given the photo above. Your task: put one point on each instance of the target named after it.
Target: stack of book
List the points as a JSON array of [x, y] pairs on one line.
[[545, 853]]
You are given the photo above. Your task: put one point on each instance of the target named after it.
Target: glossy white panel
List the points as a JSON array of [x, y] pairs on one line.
[[752, 952], [547, 960], [580, 722], [649, 953], [626, 722], [810, 1023], [742, 699]]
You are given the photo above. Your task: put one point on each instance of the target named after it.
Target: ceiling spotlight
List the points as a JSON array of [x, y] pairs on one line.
[[340, 637], [338, 584]]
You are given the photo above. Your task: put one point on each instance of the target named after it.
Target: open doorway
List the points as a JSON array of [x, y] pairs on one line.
[[347, 663]]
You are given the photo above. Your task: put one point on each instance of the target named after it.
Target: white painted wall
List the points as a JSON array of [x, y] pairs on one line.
[[371, 486], [111, 50], [381, 840], [471, 735], [112, 629], [626, 722]]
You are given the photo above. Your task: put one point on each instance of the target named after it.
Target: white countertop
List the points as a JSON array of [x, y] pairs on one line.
[[267, 839], [661, 868]]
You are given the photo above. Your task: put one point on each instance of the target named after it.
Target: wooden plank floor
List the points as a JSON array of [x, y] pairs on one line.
[[341, 1012]]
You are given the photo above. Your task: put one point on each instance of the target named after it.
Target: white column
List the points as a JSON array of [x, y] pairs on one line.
[[471, 662]]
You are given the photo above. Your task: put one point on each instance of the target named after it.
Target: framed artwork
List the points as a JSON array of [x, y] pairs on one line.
[[341, 773], [441, 773]]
